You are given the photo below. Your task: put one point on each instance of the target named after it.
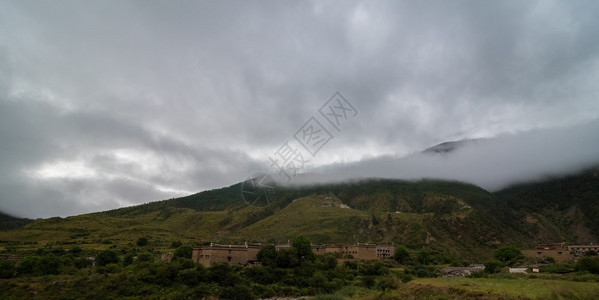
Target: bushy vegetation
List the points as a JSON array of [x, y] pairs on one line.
[[294, 271]]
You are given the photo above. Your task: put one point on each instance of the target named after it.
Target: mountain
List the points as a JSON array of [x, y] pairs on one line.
[[561, 209], [448, 147], [452, 219], [8, 222]]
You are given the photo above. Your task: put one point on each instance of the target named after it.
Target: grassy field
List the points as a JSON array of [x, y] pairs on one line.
[[474, 288], [514, 288]]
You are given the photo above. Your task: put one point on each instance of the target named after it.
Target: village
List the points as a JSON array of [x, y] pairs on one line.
[[246, 254], [213, 254]]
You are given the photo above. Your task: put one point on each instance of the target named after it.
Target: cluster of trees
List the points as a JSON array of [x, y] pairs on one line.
[[295, 271]]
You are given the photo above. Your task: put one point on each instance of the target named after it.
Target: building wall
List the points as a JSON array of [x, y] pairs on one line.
[[583, 248], [319, 249], [235, 255], [335, 249], [238, 254], [359, 251], [385, 251], [559, 255], [366, 252]]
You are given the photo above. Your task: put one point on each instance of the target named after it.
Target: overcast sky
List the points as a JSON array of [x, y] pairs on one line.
[[112, 103]]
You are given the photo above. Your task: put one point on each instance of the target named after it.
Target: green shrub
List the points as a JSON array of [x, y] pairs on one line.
[[7, 269], [107, 257], [403, 276], [145, 257], [368, 281], [588, 264], [556, 268], [128, 259], [39, 265], [183, 252], [239, 292], [76, 251], [387, 283], [401, 254], [82, 262], [585, 277], [142, 241], [507, 254], [493, 266]]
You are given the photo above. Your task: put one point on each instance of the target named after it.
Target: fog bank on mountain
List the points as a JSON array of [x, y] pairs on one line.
[[491, 164]]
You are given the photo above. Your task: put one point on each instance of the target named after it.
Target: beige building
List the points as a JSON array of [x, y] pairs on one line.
[[361, 251], [559, 252], [385, 251], [246, 254], [559, 255], [582, 249], [232, 254]]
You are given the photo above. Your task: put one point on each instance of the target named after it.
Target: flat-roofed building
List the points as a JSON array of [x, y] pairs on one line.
[[232, 254], [385, 251], [582, 249], [559, 255]]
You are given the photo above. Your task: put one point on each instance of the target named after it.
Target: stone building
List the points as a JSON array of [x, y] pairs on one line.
[[246, 254], [582, 249], [385, 251], [361, 251], [559, 252], [232, 254]]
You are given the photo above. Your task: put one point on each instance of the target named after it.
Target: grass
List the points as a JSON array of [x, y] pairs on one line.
[[521, 287]]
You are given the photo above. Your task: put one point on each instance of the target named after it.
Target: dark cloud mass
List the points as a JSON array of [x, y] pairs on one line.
[[112, 103]]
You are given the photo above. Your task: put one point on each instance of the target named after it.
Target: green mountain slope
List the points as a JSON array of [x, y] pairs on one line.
[[558, 209], [452, 218], [8, 222]]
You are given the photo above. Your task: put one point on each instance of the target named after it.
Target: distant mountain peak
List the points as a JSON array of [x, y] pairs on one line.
[[450, 146]]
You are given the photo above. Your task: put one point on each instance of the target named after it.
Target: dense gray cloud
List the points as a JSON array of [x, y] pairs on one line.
[[115, 103], [489, 163]]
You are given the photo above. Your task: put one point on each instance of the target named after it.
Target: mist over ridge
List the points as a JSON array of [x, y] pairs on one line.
[[492, 164]]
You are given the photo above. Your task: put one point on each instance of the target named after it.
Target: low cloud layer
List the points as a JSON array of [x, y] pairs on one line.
[[491, 163], [111, 103]]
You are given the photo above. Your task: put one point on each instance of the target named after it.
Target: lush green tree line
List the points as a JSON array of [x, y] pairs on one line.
[[294, 271]]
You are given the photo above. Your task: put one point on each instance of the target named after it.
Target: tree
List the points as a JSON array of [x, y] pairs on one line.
[[176, 244], [145, 257], [589, 264], [287, 258], [183, 252], [303, 248], [39, 265], [76, 251], [401, 254], [423, 256], [7, 269], [107, 257], [128, 259], [374, 220], [27, 265], [142, 241], [492, 266], [267, 255], [82, 262], [49, 265], [507, 254]]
